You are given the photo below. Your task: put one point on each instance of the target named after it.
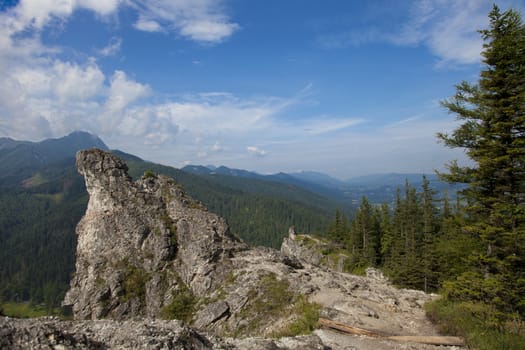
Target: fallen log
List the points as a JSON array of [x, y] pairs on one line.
[[348, 329], [431, 340]]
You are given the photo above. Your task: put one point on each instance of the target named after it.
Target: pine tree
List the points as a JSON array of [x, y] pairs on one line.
[[364, 241], [339, 229], [428, 259], [493, 135]]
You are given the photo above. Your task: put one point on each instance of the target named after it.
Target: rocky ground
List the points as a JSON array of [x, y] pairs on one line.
[[366, 302], [148, 251]]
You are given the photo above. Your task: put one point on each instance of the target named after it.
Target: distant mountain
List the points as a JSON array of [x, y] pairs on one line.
[[21, 159], [390, 179], [319, 178], [378, 188]]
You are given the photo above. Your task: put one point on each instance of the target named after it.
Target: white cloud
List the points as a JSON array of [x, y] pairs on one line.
[[448, 28], [207, 30], [73, 82], [39, 13], [147, 25], [256, 151], [324, 124], [124, 91], [112, 48], [102, 7], [199, 20]]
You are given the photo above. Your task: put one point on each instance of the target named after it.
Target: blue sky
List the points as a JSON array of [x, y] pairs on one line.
[[343, 87]]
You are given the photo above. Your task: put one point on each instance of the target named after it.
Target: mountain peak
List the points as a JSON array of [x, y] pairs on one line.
[[22, 159]]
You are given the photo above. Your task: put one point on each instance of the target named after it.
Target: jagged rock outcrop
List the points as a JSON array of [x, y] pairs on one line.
[[147, 251], [314, 251], [140, 243]]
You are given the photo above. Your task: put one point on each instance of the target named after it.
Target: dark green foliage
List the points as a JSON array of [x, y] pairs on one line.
[[149, 174], [493, 134], [364, 240], [306, 321], [338, 230], [182, 304], [37, 239], [403, 240], [135, 284], [482, 325]]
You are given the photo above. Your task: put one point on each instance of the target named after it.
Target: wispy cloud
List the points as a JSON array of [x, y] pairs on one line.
[[200, 20], [112, 48], [448, 28]]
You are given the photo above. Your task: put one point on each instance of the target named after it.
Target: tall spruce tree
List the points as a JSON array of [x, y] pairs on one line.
[[493, 134], [365, 235]]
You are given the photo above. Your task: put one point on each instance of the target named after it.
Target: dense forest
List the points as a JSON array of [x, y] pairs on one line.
[[410, 239]]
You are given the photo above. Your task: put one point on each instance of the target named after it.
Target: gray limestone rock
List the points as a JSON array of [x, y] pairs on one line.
[[212, 313], [139, 242], [313, 251]]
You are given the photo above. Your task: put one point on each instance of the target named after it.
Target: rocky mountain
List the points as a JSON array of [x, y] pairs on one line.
[[146, 251]]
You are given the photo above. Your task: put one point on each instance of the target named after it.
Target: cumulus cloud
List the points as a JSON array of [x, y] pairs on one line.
[[39, 13], [124, 91], [199, 20]]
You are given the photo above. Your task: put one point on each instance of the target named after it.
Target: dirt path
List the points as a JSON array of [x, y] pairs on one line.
[[373, 304]]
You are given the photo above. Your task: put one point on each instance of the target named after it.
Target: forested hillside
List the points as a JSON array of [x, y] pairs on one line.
[[42, 202]]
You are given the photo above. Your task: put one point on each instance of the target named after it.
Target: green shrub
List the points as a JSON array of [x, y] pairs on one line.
[[182, 305], [135, 284], [27, 310], [307, 314], [482, 326], [149, 174], [273, 299]]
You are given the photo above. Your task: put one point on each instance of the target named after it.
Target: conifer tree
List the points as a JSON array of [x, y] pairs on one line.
[[492, 132], [364, 242]]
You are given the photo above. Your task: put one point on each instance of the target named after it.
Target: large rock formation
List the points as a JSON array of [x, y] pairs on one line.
[[141, 243]]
